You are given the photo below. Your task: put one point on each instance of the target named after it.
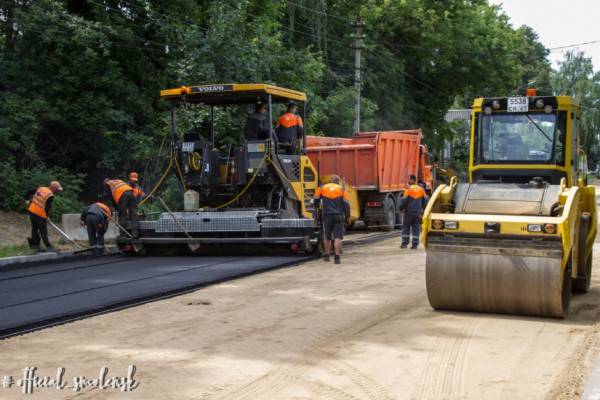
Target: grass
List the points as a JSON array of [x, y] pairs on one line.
[[15, 250]]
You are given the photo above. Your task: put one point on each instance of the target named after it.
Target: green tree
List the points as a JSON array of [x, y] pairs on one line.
[[80, 79], [576, 77]]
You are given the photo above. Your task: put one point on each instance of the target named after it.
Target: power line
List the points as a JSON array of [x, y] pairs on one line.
[[421, 83], [314, 35], [321, 12], [384, 66], [574, 45]]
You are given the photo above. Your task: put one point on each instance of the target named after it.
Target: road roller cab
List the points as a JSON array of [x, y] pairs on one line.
[[517, 237]]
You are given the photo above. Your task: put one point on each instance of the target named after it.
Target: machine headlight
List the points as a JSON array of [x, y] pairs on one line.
[[539, 103], [487, 110], [437, 224], [496, 105], [451, 224], [534, 228], [548, 109], [550, 228]]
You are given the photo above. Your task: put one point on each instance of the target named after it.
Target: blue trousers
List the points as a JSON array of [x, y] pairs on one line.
[[411, 224]]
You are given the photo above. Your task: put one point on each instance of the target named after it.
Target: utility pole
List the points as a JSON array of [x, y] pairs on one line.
[[358, 46]]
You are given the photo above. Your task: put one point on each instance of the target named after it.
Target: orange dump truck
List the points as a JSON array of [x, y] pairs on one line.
[[377, 166]]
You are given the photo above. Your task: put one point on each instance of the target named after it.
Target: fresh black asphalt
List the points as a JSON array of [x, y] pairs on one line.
[[37, 296]]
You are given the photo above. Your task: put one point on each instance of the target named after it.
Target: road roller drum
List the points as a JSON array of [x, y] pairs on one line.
[[497, 276]]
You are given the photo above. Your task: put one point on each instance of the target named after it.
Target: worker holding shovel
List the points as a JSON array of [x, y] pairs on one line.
[[39, 210], [96, 218]]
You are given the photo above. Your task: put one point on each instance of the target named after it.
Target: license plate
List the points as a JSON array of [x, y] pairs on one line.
[[517, 104], [187, 147]]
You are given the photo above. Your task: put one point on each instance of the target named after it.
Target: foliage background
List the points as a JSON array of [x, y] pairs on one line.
[[79, 79]]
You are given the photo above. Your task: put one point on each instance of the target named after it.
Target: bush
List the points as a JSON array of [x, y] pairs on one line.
[[172, 194], [18, 182]]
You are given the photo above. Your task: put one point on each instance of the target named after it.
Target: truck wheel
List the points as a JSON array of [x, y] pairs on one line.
[[581, 284], [389, 209], [398, 211]]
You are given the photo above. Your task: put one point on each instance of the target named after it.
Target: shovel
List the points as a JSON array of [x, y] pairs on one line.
[[193, 247], [135, 248], [63, 234]]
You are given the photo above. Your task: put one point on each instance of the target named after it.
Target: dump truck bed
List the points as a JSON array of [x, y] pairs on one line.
[[374, 161]]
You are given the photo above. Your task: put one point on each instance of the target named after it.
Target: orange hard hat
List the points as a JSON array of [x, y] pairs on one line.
[[55, 186], [133, 177]]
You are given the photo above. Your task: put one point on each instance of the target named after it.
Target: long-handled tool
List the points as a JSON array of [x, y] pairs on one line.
[[63, 234], [122, 229], [193, 247]]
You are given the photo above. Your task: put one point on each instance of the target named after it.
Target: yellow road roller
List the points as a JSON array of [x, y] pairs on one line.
[[516, 238]]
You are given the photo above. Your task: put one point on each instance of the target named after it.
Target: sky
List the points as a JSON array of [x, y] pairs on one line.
[[559, 23]]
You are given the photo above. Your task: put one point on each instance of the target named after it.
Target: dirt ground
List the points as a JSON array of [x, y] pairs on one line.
[[362, 330], [15, 228]]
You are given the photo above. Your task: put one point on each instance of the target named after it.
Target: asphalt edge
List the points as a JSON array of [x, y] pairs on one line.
[[36, 259]]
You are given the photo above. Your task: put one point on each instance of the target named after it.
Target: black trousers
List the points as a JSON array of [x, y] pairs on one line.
[[411, 223], [333, 226], [39, 230], [95, 231], [128, 211]]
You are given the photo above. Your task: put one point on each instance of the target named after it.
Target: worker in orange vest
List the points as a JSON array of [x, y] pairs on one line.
[[138, 193], [121, 196], [335, 203], [96, 218], [39, 210], [290, 127], [413, 204]]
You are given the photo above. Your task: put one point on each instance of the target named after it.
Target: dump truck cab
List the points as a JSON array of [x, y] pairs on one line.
[[517, 237], [236, 190]]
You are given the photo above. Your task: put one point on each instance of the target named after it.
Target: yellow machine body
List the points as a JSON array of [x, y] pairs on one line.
[[518, 237]]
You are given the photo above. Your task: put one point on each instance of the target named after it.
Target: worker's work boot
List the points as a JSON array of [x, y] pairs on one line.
[[414, 246], [336, 259], [326, 257], [50, 249], [403, 246]]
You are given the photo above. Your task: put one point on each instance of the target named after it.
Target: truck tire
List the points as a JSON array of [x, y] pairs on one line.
[[398, 211], [389, 209], [581, 284], [382, 217]]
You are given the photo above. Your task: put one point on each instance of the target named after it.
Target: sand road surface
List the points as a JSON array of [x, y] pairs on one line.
[[362, 330]]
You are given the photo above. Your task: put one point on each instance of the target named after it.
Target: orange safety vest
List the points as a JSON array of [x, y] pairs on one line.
[[117, 188], [335, 199], [104, 209], [137, 192], [37, 205], [414, 191], [331, 191], [289, 120]]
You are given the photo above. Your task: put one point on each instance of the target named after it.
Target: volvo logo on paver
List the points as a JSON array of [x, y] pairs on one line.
[[211, 88]]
